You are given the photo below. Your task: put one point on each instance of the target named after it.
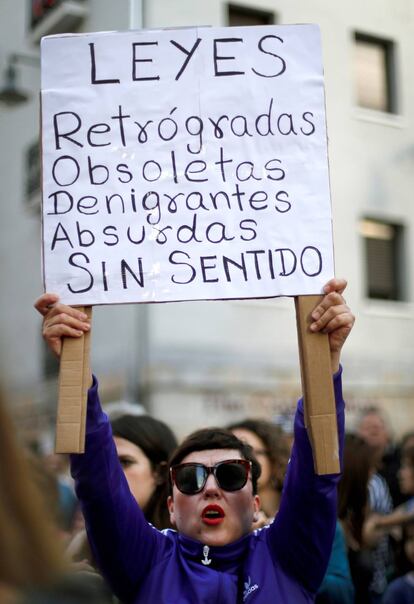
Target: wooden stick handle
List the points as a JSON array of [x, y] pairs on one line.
[[74, 376], [317, 386]]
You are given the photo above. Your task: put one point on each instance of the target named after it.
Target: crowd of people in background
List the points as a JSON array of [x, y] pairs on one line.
[[45, 556], [372, 559]]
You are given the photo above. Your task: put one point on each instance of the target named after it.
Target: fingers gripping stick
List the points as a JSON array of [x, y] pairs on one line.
[[317, 388], [74, 378]]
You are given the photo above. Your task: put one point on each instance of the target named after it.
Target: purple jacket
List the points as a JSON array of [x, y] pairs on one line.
[[283, 563]]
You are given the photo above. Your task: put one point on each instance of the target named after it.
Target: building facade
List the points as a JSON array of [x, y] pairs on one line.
[[212, 362]]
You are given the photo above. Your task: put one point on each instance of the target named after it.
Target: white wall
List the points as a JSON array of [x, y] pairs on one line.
[[246, 351]]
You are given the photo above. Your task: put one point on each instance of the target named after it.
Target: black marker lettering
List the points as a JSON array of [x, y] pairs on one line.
[[173, 260], [138, 278], [282, 68], [66, 135], [56, 238], [91, 280], [93, 68], [205, 267], [228, 261], [218, 57], [135, 78], [314, 259], [72, 163], [186, 52]]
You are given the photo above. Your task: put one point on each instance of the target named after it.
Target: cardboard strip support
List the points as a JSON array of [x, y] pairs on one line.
[[317, 387], [74, 378]]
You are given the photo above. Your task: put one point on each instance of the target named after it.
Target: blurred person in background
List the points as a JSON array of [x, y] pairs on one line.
[[270, 447], [406, 478], [354, 511], [58, 464], [384, 492], [381, 507], [32, 565], [337, 586], [407, 441], [29, 551], [378, 526], [404, 514], [48, 485], [401, 589], [144, 445], [374, 428], [403, 519]]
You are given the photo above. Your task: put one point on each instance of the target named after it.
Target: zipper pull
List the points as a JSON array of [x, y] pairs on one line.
[[206, 560]]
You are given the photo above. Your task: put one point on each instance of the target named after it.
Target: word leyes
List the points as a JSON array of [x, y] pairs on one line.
[[222, 63]]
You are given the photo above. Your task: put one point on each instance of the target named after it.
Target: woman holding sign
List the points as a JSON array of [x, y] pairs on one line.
[[213, 557]]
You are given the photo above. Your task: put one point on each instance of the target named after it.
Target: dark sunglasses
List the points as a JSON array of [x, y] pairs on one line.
[[230, 475]]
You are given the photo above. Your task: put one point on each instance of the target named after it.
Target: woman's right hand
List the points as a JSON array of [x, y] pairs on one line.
[[60, 320]]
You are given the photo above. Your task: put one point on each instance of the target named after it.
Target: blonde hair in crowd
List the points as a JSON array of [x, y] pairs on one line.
[[30, 555]]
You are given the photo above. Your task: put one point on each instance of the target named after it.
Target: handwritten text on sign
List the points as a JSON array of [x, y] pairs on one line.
[[185, 164]]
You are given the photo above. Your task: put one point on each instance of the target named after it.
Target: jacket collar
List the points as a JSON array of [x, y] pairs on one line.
[[225, 558]]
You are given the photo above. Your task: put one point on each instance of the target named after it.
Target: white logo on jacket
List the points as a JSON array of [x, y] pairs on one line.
[[248, 588], [206, 560]]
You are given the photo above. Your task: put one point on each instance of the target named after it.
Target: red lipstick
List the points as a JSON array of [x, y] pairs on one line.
[[212, 515]]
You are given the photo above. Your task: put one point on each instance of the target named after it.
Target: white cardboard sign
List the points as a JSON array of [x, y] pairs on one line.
[[185, 164]]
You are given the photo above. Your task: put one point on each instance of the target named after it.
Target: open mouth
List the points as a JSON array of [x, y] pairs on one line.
[[212, 515]]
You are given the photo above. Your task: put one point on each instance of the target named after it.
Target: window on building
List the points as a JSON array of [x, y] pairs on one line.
[[384, 259], [40, 8], [375, 73], [55, 17], [32, 171], [243, 15]]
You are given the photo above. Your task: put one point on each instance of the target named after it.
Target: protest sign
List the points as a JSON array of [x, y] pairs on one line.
[[185, 164]]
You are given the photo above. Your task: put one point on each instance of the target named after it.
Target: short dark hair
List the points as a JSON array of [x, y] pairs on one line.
[[215, 438]]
